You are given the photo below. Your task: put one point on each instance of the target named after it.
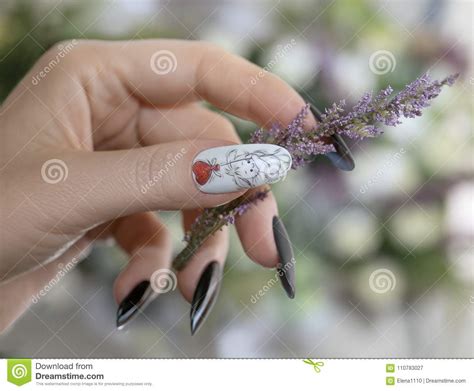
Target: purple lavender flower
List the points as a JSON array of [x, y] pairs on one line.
[[365, 119], [370, 113]]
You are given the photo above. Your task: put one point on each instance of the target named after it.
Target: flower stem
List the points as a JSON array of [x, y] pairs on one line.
[[202, 230]]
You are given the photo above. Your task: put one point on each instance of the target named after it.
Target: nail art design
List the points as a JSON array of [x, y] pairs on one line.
[[286, 266], [205, 295], [137, 300], [236, 167]]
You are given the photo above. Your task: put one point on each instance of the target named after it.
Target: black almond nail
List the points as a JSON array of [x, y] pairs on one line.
[[205, 295], [130, 306], [286, 266]]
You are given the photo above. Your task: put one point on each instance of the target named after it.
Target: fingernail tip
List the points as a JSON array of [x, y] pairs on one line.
[[119, 325], [121, 321], [193, 329], [132, 303], [291, 293], [288, 288]]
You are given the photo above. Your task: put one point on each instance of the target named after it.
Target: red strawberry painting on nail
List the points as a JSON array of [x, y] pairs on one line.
[[204, 171]]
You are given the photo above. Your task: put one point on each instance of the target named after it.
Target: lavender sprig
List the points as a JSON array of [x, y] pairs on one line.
[[213, 219], [365, 120]]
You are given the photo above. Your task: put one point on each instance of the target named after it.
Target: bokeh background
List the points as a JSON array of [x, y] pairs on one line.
[[384, 253]]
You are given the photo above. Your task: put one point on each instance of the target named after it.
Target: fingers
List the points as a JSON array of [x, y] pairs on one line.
[[168, 125], [203, 71], [148, 242], [173, 72], [255, 227]]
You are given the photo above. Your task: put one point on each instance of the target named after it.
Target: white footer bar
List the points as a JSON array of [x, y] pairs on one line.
[[235, 374]]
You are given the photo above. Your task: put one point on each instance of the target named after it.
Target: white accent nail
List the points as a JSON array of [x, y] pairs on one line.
[[236, 167]]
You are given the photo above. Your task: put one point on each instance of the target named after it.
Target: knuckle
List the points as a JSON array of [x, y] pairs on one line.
[[72, 55], [60, 50], [61, 55], [211, 55], [144, 175]]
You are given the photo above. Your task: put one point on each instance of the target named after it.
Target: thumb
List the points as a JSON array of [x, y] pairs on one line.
[[101, 186]]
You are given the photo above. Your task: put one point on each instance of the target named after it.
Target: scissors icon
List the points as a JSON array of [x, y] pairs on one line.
[[316, 365]]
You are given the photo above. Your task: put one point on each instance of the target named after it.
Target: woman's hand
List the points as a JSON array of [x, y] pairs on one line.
[[88, 138]]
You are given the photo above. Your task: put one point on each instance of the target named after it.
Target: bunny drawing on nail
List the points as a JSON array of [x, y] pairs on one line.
[[233, 168]]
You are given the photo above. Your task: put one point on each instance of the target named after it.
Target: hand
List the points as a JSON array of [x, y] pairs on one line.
[[111, 123]]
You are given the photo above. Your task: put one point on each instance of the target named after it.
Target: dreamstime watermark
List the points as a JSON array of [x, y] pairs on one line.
[[19, 371], [382, 281], [163, 281], [381, 171], [54, 171], [282, 51], [171, 161], [382, 62], [271, 282], [63, 51], [63, 270], [163, 62]]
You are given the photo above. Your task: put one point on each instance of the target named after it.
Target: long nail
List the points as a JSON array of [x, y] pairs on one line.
[[137, 300], [235, 167], [286, 266], [205, 295], [342, 158]]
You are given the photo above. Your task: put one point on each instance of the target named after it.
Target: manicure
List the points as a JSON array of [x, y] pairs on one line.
[[286, 266], [205, 295], [235, 167], [137, 300]]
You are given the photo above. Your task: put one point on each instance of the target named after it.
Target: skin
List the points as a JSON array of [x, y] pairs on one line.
[[114, 122]]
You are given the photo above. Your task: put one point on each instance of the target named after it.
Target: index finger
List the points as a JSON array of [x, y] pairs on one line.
[[170, 72]]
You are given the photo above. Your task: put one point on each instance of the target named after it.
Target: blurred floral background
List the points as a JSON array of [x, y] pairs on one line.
[[384, 254]]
